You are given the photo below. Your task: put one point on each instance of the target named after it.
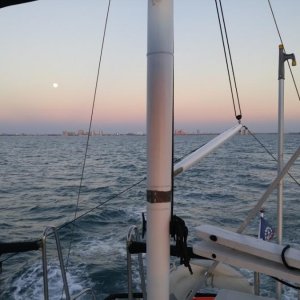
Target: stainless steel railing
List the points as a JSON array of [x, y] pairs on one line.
[[46, 233], [133, 235]]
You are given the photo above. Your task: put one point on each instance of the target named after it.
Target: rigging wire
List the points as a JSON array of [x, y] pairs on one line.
[[89, 131], [84, 214], [237, 115], [137, 183], [120, 193], [101, 204], [226, 60], [281, 40], [269, 152], [8, 257], [231, 62]]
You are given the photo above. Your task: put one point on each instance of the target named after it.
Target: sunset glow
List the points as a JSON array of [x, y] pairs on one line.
[[49, 85]]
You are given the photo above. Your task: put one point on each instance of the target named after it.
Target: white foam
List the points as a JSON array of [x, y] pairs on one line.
[[30, 284], [289, 293], [93, 247]]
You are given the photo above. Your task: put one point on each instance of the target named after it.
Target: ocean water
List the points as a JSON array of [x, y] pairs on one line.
[[40, 176]]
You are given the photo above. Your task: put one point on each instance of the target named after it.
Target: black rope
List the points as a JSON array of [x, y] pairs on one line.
[[284, 260], [281, 40], [270, 153], [237, 115], [286, 283], [179, 232], [89, 131]]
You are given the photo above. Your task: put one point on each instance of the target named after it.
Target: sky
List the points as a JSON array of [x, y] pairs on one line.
[[49, 53]]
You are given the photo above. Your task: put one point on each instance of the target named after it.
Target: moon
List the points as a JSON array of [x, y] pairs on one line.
[[55, 85]]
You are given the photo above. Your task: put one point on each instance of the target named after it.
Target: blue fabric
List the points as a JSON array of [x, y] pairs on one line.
[[266, 231]]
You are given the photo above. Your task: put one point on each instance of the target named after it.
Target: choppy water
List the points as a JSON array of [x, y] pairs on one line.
[[39, 185]]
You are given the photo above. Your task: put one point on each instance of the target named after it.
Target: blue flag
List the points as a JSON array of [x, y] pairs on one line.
[[266, 231]]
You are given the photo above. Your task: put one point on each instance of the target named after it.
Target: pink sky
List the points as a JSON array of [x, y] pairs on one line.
[[48, 49]]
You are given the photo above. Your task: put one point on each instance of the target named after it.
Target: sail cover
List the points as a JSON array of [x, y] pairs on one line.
[[4, 3]]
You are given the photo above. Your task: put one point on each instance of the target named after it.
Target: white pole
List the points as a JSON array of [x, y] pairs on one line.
[[280, 155], [282, 58], [203, 151], [159, 145], [280, 158], [256, 274]]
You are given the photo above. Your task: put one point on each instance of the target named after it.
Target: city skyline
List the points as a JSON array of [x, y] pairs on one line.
[[50, 52]]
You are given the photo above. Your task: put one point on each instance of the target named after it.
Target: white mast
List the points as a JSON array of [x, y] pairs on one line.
[[159, 141]]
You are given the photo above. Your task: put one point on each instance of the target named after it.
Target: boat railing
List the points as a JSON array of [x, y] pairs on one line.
[[61, 262], [133, 235], [47, 232]]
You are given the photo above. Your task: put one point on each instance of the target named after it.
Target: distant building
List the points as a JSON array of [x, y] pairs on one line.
[[180, 132], [69, 133], [81, 132]]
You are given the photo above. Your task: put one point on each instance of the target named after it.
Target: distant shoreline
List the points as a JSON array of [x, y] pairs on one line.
[[121, 134]]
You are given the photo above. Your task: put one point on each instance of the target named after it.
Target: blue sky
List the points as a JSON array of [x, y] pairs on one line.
[[58, 41]]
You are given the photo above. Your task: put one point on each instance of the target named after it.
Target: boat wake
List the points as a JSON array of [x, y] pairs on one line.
[[29, 284]]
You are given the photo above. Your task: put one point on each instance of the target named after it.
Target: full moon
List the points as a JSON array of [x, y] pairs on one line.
[[55, 85]]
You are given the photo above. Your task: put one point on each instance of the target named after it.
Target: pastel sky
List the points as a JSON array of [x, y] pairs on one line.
[[58, 41]]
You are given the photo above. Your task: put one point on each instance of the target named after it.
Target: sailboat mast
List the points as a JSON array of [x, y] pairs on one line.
[[159, 145]]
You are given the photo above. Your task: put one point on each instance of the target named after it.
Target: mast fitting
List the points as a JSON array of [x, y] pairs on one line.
[[282, 58]]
